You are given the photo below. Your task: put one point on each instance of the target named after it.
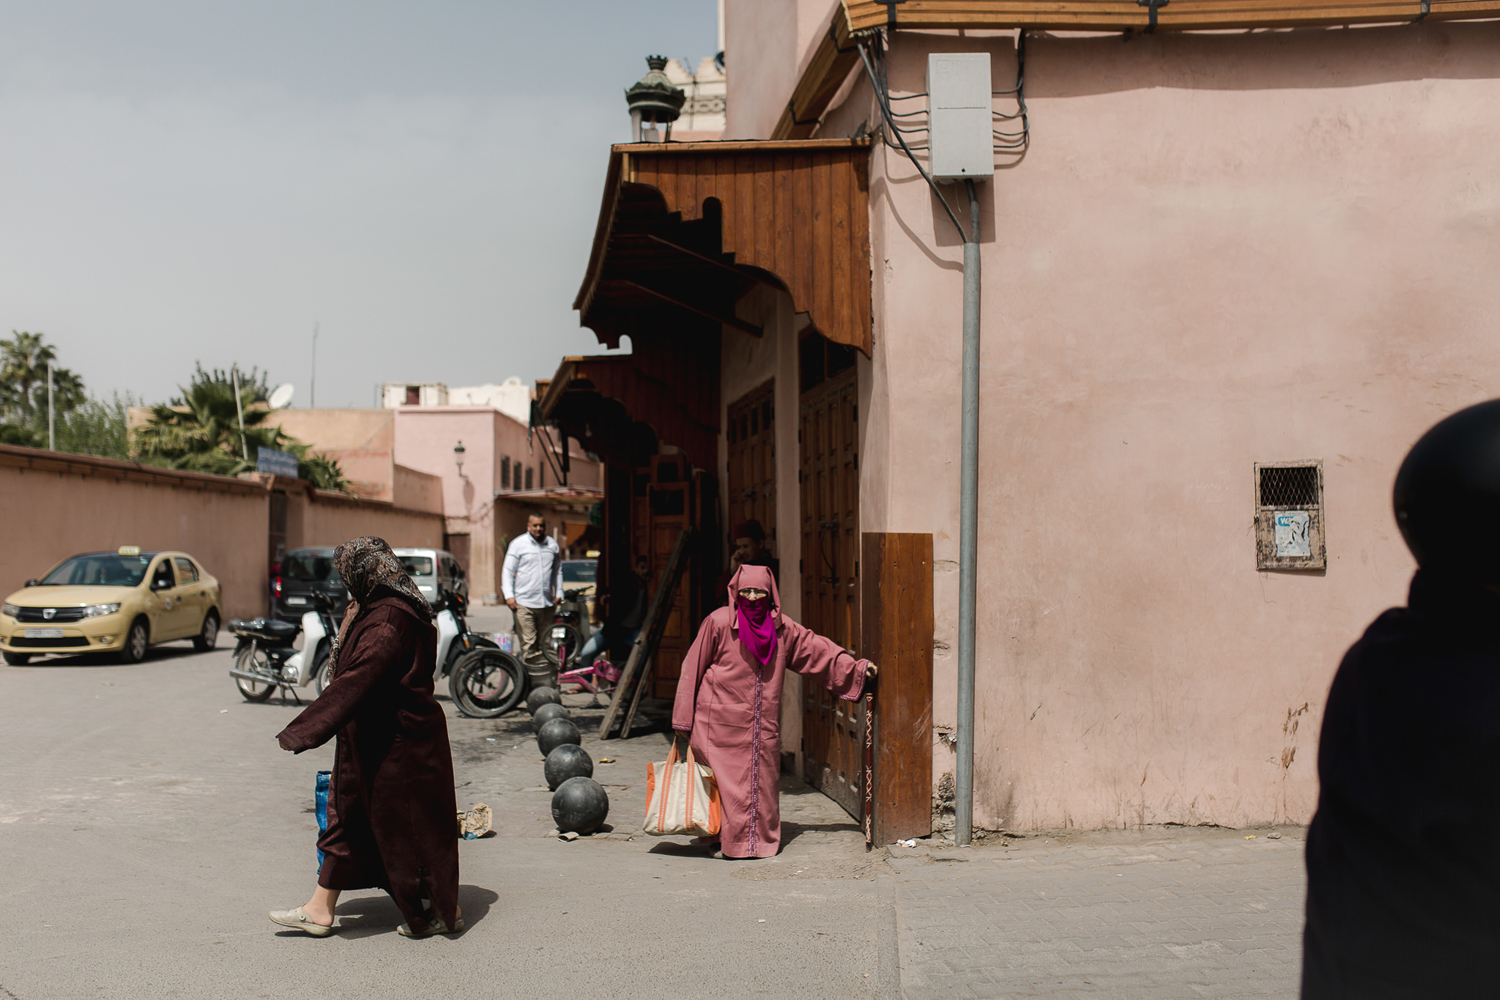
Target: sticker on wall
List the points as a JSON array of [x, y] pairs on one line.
[[1292, 534]]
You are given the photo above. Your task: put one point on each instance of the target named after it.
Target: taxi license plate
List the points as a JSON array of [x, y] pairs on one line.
[[44, 633], [296, 600]]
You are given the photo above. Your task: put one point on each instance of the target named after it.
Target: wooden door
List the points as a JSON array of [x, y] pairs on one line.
[[752, 460], [667, 510], [896, 580], [832, 729]]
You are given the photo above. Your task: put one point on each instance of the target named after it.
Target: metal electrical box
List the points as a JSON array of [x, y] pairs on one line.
[[958, 110]]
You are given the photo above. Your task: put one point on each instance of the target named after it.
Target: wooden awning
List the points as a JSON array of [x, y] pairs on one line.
[[601, 400], [686, 229], [836, 55]]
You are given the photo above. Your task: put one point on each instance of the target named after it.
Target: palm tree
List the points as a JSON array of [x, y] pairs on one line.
[[23, 383], [200, 431]]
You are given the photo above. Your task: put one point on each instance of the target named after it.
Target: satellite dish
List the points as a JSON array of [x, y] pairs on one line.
[[281, 396]]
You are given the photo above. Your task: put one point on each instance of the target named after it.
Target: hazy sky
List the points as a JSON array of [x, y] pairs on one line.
[[204, 180]]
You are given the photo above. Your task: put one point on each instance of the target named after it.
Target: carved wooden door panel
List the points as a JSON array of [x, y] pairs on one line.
[[832, 729], [752, 460]]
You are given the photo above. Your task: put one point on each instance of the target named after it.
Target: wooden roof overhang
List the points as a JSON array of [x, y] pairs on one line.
[[836, 55], [619, 405], [686, 229]]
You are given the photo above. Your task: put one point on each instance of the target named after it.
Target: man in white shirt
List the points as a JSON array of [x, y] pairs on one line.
[[532, 582]]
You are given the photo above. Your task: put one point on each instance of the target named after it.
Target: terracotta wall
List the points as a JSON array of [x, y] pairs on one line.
[[59, 505], [66, 504], [1220, 250], [328, 519]]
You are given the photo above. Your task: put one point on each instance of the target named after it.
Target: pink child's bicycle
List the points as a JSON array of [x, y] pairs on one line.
[[599, 677]]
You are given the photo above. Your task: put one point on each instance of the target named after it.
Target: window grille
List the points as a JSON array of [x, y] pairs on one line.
[[528, 477], [505, 472], [1289, 518], [1288, 486]]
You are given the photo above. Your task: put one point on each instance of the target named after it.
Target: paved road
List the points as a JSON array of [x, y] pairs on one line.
[[148, 821]]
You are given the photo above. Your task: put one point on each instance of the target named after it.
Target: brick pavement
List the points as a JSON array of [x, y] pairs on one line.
[[1159, 913]]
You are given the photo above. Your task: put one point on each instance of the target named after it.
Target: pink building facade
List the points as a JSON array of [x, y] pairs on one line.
[[1220, 249], [503, 478]]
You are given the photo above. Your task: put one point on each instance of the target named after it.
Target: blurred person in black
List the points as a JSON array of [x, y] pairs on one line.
[[750, 549], [1403, 856], [624, 610]]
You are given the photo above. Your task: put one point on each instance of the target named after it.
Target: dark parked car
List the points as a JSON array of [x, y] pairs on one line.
[[302, 572]]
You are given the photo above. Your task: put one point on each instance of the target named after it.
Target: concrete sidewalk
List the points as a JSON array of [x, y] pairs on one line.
[[1157, 913], [148, 820]]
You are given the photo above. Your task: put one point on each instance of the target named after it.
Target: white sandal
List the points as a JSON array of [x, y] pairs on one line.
[[435, 925], [297, 919]]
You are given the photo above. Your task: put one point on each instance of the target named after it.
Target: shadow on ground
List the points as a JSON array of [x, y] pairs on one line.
[[155, 653], [368, 915]]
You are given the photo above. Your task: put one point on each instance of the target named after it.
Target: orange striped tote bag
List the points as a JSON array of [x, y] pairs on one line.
[[682, 798]]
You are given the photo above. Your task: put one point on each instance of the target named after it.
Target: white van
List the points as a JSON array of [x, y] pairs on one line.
[[431, 569]]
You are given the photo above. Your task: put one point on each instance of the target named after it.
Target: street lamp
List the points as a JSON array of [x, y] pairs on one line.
[[458, 458], [654, 101]]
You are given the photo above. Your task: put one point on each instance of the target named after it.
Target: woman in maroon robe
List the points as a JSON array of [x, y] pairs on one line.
[[729, 703], [391, 807]]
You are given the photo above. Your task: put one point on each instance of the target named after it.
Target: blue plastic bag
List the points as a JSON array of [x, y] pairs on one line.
[[320, 807]]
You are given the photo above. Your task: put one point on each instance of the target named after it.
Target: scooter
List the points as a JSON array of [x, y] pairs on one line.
[[455, 638], [265, 660], [565, 636]]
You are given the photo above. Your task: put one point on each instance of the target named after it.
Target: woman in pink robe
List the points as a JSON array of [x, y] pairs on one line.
[[729, 703]]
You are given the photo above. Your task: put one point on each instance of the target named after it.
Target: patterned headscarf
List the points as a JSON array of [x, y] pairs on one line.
[[365, 564]]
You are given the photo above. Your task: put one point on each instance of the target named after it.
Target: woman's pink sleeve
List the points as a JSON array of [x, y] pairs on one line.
[[698, 659], [824, 661]]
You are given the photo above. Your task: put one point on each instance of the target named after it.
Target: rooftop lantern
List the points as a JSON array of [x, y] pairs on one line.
[[654, 103]]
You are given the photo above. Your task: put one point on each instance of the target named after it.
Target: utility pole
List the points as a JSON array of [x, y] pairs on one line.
[[313, 392], [239, 408], [51, 435]]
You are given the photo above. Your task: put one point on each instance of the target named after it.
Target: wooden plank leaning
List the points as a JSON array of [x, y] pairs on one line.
[[633, 679], [676, 566]]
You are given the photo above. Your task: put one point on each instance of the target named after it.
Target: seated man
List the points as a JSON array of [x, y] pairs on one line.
[[625, 610]]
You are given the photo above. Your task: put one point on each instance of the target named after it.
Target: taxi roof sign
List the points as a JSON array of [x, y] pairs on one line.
[[129, 550]]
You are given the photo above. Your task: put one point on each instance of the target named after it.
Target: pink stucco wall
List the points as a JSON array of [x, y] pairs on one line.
[[361, 440], [1220, 249], [768, 40], [417, 490]]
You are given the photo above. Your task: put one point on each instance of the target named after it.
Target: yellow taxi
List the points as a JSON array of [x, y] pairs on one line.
[[120, 602]]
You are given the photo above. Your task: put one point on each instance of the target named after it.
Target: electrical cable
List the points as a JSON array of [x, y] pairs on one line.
[[1003, 142], [880, 98]]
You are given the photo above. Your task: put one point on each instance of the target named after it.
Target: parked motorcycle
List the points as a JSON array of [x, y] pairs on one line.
[[487, 682], [265, 658], [483, 680]]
